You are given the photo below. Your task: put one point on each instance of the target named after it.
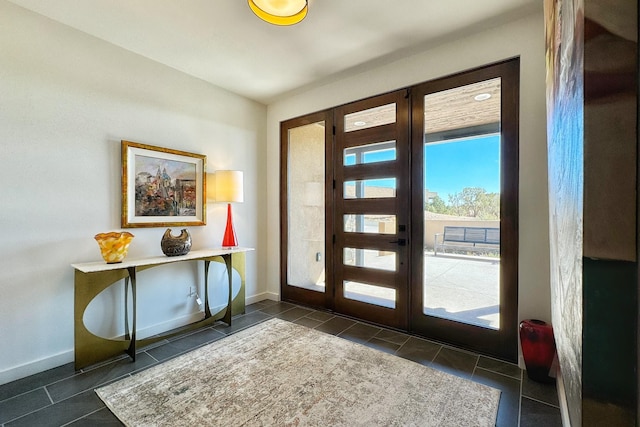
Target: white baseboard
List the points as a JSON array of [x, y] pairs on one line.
[[41, 365], [56, 360], [261, 297], [178, 322], [36, 366]]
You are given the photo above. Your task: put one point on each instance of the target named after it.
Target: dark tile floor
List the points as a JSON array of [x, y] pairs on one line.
[[63, 397]]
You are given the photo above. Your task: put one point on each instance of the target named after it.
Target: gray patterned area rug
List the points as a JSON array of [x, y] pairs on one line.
[[281, 374]]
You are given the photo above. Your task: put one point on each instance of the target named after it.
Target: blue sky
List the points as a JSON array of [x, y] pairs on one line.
[[452, 166]]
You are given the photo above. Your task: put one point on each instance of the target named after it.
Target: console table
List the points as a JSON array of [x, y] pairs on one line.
[[94, 277]]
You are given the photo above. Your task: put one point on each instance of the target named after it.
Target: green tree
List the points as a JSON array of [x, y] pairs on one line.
[[490, 206], [475, 202], [437, 205]]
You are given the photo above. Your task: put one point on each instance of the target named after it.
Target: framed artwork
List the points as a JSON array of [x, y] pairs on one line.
[[162, 187]]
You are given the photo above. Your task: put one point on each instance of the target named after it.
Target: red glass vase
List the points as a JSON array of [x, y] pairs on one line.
[[229, 240], [538, 349]]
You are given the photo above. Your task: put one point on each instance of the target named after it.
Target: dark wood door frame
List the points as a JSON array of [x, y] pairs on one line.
[[293, 293], [502, 343]]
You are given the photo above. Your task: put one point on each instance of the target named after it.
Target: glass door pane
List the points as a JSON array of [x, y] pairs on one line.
[[376, 295], [462, 204]]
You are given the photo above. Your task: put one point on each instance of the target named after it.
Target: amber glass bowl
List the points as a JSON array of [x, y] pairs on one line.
[[114, 245]]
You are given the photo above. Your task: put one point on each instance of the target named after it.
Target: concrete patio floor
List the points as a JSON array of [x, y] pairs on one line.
[[463, 288], [456, 287]]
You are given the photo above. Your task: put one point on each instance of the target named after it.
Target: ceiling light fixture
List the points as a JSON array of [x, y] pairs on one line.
[[359, 123], [482, 97], [280, 12]]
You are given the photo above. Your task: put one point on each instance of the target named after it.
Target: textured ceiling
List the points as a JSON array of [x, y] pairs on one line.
[[222, 42]]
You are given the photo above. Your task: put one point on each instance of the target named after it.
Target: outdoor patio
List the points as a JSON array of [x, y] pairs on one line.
[[457, 287], [464, 288]]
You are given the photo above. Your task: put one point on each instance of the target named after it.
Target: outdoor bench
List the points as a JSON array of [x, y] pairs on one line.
[[470, 239]]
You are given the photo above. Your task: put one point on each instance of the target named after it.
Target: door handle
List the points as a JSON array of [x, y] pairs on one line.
[[400, 242]]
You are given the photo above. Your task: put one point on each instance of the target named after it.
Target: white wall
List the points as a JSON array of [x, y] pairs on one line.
[[524, 38], [66, 101]]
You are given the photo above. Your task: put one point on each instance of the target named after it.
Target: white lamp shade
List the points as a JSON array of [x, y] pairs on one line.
[[229, 186]]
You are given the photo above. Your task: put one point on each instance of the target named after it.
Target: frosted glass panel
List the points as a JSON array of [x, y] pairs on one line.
[[306, 218]]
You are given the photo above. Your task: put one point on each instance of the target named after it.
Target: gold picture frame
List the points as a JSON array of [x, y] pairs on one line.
[[162, 187]]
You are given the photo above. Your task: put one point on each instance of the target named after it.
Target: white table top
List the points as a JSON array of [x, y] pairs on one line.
[[92, 267]]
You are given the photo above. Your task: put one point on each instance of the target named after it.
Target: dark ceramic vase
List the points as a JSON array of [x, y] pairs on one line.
[[176, 245], [538, 349]]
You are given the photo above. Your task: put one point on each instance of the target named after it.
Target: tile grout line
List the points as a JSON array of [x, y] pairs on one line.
[[499, 373], [399, 348], [84, 416], [345, 330], [148, 354], [28, 413], [520, 399], [391, 342], [540, 401], [20, 394], [475, 366], [48, 395], [435, 356]]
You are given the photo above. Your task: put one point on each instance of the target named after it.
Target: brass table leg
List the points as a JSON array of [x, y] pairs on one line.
[[127, 334], [131, 351], [227, 314], [207, 309]]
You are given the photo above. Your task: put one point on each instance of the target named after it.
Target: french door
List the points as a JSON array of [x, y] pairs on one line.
[[465, 209], [371, 209], [402, 209]]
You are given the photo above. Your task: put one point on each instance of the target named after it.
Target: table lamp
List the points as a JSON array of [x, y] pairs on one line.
[[229, 188]]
